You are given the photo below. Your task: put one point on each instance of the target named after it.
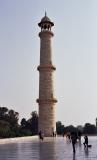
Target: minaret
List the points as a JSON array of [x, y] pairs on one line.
[[46, 99], [96, 122]]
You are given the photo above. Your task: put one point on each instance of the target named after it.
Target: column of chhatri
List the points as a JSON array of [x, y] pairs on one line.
[[46, 123]]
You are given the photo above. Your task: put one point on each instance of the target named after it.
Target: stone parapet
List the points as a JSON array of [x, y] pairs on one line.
[[17, 139], [46, 33]]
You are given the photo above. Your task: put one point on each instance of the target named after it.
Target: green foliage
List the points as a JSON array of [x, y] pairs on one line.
[[33, 121], [9, 126], [4, 129], [70, 129], [60, 128], [31, 125], [89, 129], [13, 117], [25, 132], [8, 123]]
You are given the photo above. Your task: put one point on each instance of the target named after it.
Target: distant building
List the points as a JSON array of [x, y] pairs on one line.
[[96, 122]]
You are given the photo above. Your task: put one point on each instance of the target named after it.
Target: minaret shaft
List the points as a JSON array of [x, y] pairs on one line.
[[46, 72], [45, 48]]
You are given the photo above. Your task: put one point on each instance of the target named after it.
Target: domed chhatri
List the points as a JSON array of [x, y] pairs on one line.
[[46, 23]]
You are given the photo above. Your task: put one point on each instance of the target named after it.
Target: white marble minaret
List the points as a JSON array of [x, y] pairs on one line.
[[46, 99]]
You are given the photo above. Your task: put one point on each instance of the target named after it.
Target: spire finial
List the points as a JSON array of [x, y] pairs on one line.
[[45, 14]]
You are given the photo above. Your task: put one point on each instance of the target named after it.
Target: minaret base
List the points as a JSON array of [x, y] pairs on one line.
[[46, 123]]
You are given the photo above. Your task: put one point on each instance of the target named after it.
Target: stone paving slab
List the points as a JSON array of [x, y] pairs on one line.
[[50, 149]]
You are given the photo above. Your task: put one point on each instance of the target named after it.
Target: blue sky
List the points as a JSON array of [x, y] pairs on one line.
[[74, 55]]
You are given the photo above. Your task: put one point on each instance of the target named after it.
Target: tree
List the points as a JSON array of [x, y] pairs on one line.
[[13, 117], [30, 126], [23, 123], [80, 128], [9, 126], [89, 129], [60, 128], [71, 128], [33, 123], [24, 128], [4, 129], [3, 112]]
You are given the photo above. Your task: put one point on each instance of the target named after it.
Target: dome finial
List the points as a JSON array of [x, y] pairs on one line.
[[46, 21]]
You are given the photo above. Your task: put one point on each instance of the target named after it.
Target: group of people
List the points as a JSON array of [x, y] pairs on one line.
[[73, 136], [54, 134], [41, 135]]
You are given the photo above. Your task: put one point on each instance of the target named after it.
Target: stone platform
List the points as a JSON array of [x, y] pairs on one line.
[[50, 149]]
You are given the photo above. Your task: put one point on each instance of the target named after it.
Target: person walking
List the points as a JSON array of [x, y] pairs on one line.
[[73, 139], [86, 141], [41, 136]]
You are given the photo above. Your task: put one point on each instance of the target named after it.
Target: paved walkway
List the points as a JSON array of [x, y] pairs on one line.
[[61, 149], [50, 149]]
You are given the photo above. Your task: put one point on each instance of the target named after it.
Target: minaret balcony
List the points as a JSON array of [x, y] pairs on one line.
[[45, 101], [46, 67]]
